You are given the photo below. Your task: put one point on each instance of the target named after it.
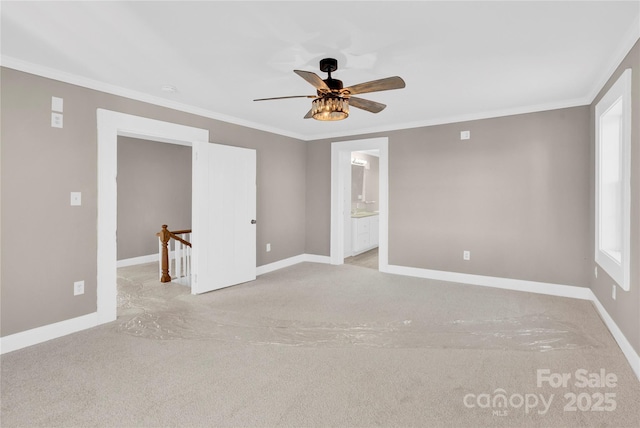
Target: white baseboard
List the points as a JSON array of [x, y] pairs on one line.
[[572, 291], [632, 356], [42, 334], [260, 270], [151, 258], [314, 258], [280, 264], [37, 335]]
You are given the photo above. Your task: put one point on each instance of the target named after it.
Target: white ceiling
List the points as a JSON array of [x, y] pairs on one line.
[[460, 60]]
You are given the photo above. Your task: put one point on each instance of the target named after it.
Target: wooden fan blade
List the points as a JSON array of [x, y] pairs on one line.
[[377, 85], [367, 105], [308, 115], [282, 98], [312, 78]]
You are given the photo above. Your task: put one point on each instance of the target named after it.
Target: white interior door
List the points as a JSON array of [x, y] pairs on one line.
[[223, 217]]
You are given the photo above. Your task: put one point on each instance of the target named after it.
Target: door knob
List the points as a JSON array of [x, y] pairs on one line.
[[253, 222]]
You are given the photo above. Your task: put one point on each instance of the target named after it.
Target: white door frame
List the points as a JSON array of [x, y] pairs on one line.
[[340, 163], [224, 216], [112, 124]]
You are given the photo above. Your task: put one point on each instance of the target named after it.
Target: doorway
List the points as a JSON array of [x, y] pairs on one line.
[[111, 125], [207, 194], [361, 242], [154, 188], [341, 200]]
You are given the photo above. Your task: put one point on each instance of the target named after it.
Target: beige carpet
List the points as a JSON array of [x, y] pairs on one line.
[[319, 345], [367, 259]]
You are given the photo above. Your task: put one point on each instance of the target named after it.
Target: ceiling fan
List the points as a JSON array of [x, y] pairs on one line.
[[332, 100]]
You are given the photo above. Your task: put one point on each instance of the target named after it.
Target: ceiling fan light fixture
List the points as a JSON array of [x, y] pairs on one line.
[[330, 108], [332, 100]]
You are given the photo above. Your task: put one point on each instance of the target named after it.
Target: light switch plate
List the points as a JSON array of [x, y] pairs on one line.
[[465, 135], [76, 199], [78, 288], [56, 120], [57, 104]]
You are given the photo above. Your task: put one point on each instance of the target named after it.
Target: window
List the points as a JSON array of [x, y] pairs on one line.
[[613, 168]]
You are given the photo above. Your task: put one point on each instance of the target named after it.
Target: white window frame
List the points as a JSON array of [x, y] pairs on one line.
[[618, 270]]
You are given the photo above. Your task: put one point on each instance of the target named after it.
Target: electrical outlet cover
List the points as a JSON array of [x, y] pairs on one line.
[[56, 120], [78, 288], [76, 199]]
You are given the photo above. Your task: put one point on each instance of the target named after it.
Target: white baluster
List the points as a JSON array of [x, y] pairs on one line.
[[159, 257], [187, 261], [183, 250], [179, 246]]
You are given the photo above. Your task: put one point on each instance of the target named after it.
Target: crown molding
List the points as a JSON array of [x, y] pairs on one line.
[[459, 119], [630, 38], [74, 79]]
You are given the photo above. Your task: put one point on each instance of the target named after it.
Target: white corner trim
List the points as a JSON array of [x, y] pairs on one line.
[[561, 290], [632, 356], [16, 341], [301, 258], [133, 261]]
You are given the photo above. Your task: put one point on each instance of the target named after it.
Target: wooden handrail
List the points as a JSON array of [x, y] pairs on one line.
[[165, 235], [180, 232], [177, 238]]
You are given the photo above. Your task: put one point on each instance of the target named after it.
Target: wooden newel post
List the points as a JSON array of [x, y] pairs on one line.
[[164, 238]]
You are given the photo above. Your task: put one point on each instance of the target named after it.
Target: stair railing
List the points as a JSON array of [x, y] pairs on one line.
[[181, 253]]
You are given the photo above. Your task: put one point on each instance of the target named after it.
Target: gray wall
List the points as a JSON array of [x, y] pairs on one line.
[[154, 188], [318, 200], [516, 195], [519, 195], [625, 310], [41, 165]]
